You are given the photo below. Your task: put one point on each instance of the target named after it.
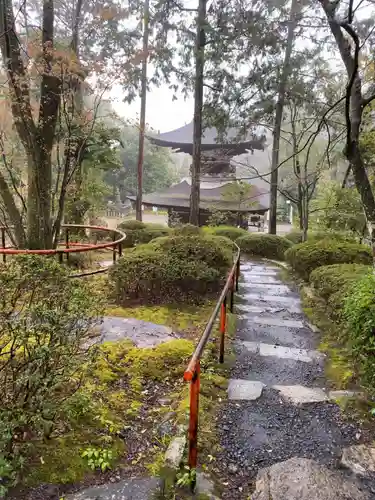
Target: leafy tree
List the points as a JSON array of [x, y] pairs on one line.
[[158, 171]]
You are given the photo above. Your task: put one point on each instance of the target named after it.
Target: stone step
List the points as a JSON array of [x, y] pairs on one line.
[[274, 289], [283, 352], [250, 390], [261, 309], [280, 335], [271, 300], [267, 320], [262, 279]]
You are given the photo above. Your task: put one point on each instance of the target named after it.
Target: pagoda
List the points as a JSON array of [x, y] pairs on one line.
[[217, 171]]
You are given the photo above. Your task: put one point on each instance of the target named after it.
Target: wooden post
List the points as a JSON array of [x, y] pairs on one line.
[[223, 325], [233, 284], [194, 417], [67, 243], [3, 243], [114, 248], [237, 273]]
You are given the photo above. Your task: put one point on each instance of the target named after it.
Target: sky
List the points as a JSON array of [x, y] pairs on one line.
[[162, 113]]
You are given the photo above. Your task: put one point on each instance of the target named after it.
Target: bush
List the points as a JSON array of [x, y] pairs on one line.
[[186, 230], [328, 280], [296, 236], [132, 224], [198, 248], [231, 232], [264, 245], [305, 257], [159, 275], [45, 320], [142, 234], [359, 313]]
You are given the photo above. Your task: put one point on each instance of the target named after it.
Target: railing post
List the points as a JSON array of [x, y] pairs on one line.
[[60, 257], [194, 416], [67, 243], [114, 247], [223, 324], [120, 249], [237, 273], [233, 284], [3, 243]]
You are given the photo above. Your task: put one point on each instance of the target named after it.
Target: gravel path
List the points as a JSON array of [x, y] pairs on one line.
[[278, 405]]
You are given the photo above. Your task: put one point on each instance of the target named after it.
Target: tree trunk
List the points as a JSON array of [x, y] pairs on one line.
[[142, 121], [13, 213], [293, 19], [198, 107]]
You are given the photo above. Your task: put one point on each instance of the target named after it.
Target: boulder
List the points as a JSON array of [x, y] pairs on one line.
[[360, 459], [303, 479]]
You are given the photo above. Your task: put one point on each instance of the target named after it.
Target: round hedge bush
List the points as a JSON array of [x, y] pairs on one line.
[[209, 250], [144, 233], [305, 257], [328, 280], [159, 275], [294, 236], [264, 245], [231, 232], [186, 230]]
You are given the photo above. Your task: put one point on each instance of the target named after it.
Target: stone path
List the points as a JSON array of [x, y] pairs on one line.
[[279, 406]]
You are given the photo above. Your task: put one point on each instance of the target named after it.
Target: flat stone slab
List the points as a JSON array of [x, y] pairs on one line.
[[269, 289], [360, 459], [244, 390], [262, 279], [274, 299], [283, 352], [300, 394], [303, 479], [130, 489], [142, 333], [175, 452], [267, 320], [343, 394], [249, 271]]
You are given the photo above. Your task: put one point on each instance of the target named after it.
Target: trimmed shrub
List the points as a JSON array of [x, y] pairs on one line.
[[359, 313], [231, 232], [186, 230], [294, 236], [305, 257], [209, 250], [161, 276], [264, 245], [328, 280], [143, 234], [132, 224], [225, 243]]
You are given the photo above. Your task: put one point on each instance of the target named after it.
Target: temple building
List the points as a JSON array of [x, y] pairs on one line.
[[217, 172]]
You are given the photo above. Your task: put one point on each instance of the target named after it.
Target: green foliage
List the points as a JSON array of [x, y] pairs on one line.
[[45, 318], [264, 245], [138, 232], [98, 458], [305, 257], [170, 267], [231, 232], [294, 236], [339, 209], [359, 313], [186, 230], [328, 234]]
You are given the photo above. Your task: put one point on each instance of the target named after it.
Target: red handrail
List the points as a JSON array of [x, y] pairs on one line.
[[192, 372]]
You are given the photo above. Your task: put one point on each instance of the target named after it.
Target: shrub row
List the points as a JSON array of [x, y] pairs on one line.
[[305, 257], [139, 232], [295, 236], [170, 268], [348, 291], [264, 245]]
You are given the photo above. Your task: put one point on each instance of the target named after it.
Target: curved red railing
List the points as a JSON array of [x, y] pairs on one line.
[[192, 372], [72, 247]]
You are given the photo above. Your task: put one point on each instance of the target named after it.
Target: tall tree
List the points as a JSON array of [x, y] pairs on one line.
[[352, 38], [295, 9], [198, 112]]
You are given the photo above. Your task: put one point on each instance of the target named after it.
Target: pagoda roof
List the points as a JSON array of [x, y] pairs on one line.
[[181, 139], [178, 196]]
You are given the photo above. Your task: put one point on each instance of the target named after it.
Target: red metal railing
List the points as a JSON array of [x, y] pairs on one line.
[[192, 372], [71, 247]]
